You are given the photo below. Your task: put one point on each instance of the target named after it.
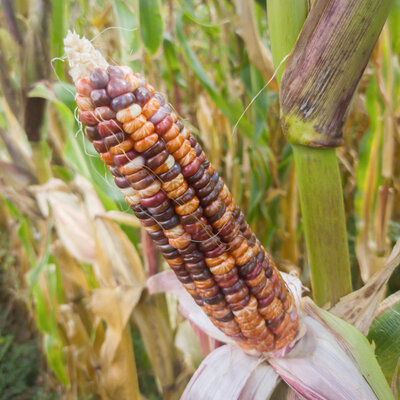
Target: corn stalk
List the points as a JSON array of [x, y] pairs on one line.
[[317, 86]]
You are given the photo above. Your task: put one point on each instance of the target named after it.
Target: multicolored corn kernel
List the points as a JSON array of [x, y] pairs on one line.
[[186, 208]]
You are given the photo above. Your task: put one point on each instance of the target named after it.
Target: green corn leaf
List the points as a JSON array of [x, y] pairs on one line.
[[58, 31], [129, 37], [385, 335], [151, 24], [56, 358], [232, 111]]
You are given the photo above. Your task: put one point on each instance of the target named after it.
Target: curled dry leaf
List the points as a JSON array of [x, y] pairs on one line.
[[158, 342], [117, 365], [72, 223], [259, 55], [120, 253], [389, 302], [81, 358], [359, 308], [121, 217]]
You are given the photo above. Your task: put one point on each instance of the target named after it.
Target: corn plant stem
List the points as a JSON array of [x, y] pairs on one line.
[[285, 19], [324, 224]]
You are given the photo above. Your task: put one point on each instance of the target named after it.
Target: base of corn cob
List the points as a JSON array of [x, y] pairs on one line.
[[182, 202]]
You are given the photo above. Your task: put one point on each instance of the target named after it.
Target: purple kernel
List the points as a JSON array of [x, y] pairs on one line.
[[117, 86], [100, 98], [123, 101], [98, 78], [142, 95], [115, 72]]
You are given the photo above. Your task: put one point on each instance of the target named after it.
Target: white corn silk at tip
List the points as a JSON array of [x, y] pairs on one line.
[[82, 56]]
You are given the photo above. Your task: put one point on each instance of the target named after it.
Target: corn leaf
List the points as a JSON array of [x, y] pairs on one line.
[[151, 24], [128, 32], [385, 335]]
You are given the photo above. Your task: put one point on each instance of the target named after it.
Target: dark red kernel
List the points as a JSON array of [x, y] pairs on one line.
[[266, 301], [92, 133], [206, 190], [160, 207], [193, 217], [99, 146], [191, 168], [194, 257], [114, 169], [171, 223], [155, 149], [219, 250], [220, 212], [172, 173], [163, 126], [143, 183], [114, 139], [218, 298], [104, 113], [164, 216], [137, 176], [196, 176], [196, 268], [154, 200], [121, 182], [188, 249], [234, 288], [107, 128], [240, 304], [87, 118], [185, 197], [202, 276], [122, 159], [160, 114], [275, 322], [155, 161], [205, 178]]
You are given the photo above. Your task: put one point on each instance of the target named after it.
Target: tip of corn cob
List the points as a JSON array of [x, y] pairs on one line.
[[82, 56]]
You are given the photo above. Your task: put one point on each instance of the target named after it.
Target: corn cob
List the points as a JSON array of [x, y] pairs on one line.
[[183, 204]]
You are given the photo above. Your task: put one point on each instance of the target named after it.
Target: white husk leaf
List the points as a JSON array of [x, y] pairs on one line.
[[82, 56], [229, 373], [261, 384], [319, 369]]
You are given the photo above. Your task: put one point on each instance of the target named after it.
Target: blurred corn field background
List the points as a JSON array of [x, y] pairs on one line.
[[75, 319]]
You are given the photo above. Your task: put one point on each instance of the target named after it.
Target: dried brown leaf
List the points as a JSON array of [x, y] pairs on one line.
[[158, 342], [117, 364], [259, 55], [120, 254], [72, 223]]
